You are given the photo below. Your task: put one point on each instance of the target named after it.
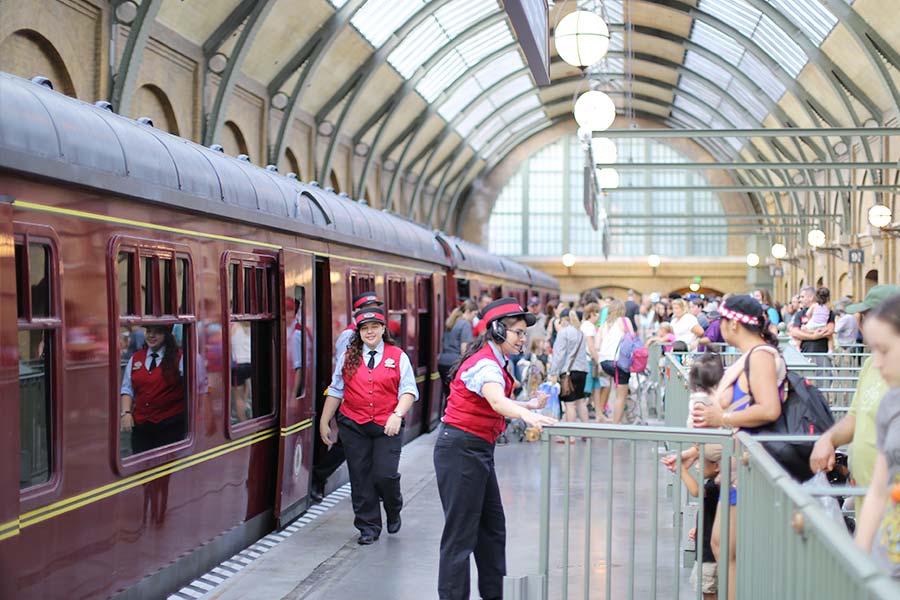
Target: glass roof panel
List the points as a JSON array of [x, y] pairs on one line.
[[464, 94], [499, 68], [699, 89], [436, 31], [377, 20], [758, 72], [748, 100], [511, 90], [809, 15], [337, 3], [486, 132], [739, 118], [738, 14], [693, 108], [441, 75], [717, 42], [780, 46], [520, 106], [707, 68], [524, 122], [473, 117]]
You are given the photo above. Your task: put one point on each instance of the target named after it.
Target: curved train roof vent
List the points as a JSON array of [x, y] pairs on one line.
[[272, 168], [344, 195], [145, 121], [329, 189], [243, 157], [41, 80], [217, 148], [104, 105], [291, 175], [363, 201], [314, 183]]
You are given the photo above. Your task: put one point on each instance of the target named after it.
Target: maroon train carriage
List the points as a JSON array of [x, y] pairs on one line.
[[114, 235]]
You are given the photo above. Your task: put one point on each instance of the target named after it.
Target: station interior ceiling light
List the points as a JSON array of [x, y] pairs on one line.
[[816, 238], [582, 38], [753, 259], [595, 110], [880, 216], [607, 179], [779, 251], [604, 151]]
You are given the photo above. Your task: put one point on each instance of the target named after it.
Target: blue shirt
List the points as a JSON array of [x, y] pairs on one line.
[[407, 378], [485, 371], [127, 388]]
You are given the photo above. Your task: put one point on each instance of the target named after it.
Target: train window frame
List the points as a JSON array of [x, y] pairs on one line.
[[271, 299], [355, 280], [395, 304], [26, 234], [155, 250]]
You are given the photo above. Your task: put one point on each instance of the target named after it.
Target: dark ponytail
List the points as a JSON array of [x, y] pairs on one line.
[[479, 343]]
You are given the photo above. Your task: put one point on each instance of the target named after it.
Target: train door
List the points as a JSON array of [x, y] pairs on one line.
[[10, 473], [296, 431], [427, 353]]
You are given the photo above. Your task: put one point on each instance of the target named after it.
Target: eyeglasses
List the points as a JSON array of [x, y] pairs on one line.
[[518, 332]]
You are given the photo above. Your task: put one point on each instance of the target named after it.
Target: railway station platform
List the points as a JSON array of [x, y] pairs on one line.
[[317, 557]]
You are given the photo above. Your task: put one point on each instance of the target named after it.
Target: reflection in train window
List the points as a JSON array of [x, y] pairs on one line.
[[252, 337], [297, 347], [37, 341], [153, 348]]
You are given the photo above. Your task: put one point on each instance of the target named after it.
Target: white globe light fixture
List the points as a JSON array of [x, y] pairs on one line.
[[779, 251], [753, 259], [607, 179], [653, 260], [584, 134], [816, 238], [604, 151], [568, 260], [582, 38], [595, 110], [880, 215], [694, 287]]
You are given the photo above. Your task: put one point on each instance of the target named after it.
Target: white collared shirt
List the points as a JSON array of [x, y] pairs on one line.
[[407, 377]]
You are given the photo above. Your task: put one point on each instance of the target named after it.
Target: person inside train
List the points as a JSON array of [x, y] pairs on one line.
[[327, 459], [457, 337], [374, 386], [878, 531], [240, 341], [742, 402], [152, 392], [477, 408]]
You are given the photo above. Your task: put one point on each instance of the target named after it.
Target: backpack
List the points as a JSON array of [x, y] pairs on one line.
[[804, 411], [628, 347]]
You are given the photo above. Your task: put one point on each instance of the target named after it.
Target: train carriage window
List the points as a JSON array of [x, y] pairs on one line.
[[298, 341], [39, 326], [252, 337], [152, 346], [395, 305]]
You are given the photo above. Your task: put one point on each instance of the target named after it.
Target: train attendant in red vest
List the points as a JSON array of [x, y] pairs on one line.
[[374, 385], [327, 459], [152, 392], [479, 401]]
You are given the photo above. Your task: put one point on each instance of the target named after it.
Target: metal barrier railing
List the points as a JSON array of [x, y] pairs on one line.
[[786, 545], [677, 393]]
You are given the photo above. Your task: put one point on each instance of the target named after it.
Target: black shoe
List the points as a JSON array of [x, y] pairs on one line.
[[393, 526], [366, 538], [317, 492]]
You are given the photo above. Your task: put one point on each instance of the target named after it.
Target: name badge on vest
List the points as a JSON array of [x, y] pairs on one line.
[[136, 365], [389, 363]]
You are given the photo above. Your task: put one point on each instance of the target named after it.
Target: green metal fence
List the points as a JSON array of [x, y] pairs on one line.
[[787, 547]]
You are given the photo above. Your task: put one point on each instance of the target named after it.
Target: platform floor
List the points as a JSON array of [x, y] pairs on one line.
[[320, 559]]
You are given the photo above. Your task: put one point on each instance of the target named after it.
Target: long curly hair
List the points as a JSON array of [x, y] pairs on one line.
[[355, 351]]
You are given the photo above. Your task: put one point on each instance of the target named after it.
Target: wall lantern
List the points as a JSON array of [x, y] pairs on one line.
[[753, 259], [880, 216], [779, 251], [653, 260], [568, 260], [816, 238]]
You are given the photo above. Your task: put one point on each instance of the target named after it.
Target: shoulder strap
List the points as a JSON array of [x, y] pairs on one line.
[[577, 350], [772, 351]]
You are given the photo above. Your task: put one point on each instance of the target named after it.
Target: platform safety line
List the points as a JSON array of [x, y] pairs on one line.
[[233, 565]]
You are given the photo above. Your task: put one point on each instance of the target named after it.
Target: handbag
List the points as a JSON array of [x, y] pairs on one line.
[[566, 387]]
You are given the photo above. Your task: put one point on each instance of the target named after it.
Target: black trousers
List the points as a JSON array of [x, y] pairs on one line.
[[474, 522], [147, 436], [326, 461], [372, 459]]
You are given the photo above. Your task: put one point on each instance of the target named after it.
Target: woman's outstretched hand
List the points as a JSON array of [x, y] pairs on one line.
[[538, 402]]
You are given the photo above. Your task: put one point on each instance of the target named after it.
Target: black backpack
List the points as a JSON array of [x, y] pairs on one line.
[[804, 411]]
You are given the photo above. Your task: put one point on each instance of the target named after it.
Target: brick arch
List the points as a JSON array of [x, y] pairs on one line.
[[150, 101], [233, 140], [27, 53]]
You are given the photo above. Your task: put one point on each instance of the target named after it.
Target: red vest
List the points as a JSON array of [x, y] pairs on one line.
[[371, 394], [470, 411], [155, 397]]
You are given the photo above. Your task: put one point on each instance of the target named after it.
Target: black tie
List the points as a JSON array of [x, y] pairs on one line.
[[152, 362], [371, 363]]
